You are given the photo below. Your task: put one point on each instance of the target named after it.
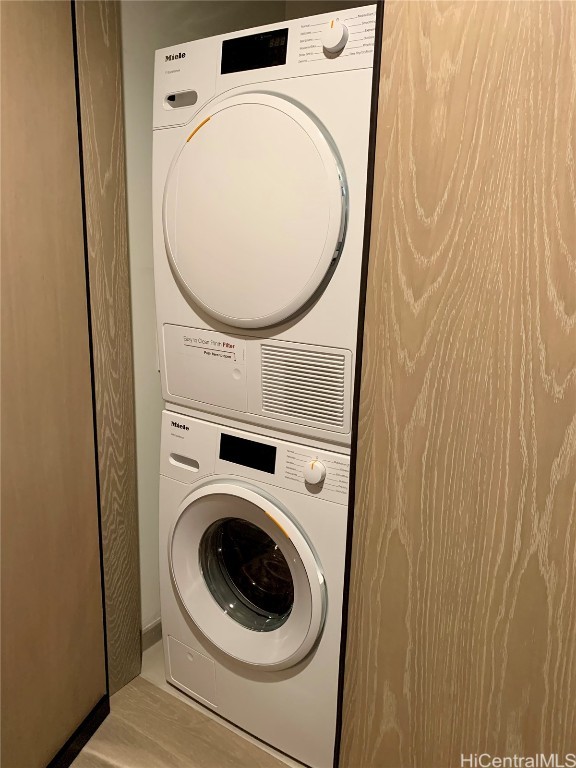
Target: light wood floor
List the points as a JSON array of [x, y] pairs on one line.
[[149, 728]]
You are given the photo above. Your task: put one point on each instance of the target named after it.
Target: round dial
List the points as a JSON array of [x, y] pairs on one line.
[[314, 472], [334, 36]]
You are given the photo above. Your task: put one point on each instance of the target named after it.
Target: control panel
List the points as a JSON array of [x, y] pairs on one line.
[[348, 35], [318, 470], [189, 75], [192, 449]]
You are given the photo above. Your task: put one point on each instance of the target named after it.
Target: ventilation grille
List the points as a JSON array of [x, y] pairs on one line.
[[303, 385]]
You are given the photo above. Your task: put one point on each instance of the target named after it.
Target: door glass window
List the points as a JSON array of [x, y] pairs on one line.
[[247, 574]]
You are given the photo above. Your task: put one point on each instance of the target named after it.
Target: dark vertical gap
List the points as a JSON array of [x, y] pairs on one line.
[[358, 367], [82, 735], [90, 338]]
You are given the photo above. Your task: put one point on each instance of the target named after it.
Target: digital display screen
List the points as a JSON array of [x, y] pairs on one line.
[[248, 453], [265, 49]]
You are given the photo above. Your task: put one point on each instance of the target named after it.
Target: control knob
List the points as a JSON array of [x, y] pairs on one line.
[[314, 472], [334, 36]]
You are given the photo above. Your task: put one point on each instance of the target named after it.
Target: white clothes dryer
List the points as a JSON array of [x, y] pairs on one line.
[[252, 553], [261, 144]]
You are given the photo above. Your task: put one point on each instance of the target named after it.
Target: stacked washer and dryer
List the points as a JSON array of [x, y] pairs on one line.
[[260, 175]]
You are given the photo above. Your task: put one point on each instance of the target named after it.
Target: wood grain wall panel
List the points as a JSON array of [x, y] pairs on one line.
[[100, 81], [53, 665], [462, 628]]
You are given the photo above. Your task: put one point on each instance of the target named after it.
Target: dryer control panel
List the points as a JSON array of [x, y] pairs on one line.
[[189, 75], [192, 449]]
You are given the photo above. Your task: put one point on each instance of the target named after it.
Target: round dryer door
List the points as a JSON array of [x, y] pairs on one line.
[[247, 576], [254, 210]]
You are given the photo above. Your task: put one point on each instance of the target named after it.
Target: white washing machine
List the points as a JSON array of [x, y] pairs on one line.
[[252, 553], [260, 175]]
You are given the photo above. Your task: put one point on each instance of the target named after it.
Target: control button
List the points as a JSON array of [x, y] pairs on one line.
[[334, 36], [314, 472]]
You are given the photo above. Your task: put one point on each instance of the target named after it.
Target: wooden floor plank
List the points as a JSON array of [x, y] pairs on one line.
[[149, 728]]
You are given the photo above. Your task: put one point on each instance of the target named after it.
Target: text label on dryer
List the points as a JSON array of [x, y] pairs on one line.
[[211, 342], [174, 56], [180, 426]]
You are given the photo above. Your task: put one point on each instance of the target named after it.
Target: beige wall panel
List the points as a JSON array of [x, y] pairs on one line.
[[100, 75], [53, 670], [462, 631]]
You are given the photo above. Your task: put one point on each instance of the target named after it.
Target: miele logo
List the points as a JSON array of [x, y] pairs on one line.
[[180, 426], [174, 56]]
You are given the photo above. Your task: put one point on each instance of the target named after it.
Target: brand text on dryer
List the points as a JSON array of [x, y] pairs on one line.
[[173, 56], [180, 426]]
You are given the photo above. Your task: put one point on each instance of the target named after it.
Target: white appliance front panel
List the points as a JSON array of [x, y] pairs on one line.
[[330, 321], [275, 706], [293, 697], [333, 92]]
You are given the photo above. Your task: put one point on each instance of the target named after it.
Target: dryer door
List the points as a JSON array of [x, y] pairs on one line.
[[247, 576], [254, 210]]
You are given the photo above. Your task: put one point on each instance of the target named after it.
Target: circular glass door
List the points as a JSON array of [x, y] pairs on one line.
[[254, 210], [246, 575]]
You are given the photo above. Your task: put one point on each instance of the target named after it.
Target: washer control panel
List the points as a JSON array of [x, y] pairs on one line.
[[192, 449], [318, 470]]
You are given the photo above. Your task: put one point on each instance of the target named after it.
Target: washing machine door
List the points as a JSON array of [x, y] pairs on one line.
[[254, 210], [247, 576]]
